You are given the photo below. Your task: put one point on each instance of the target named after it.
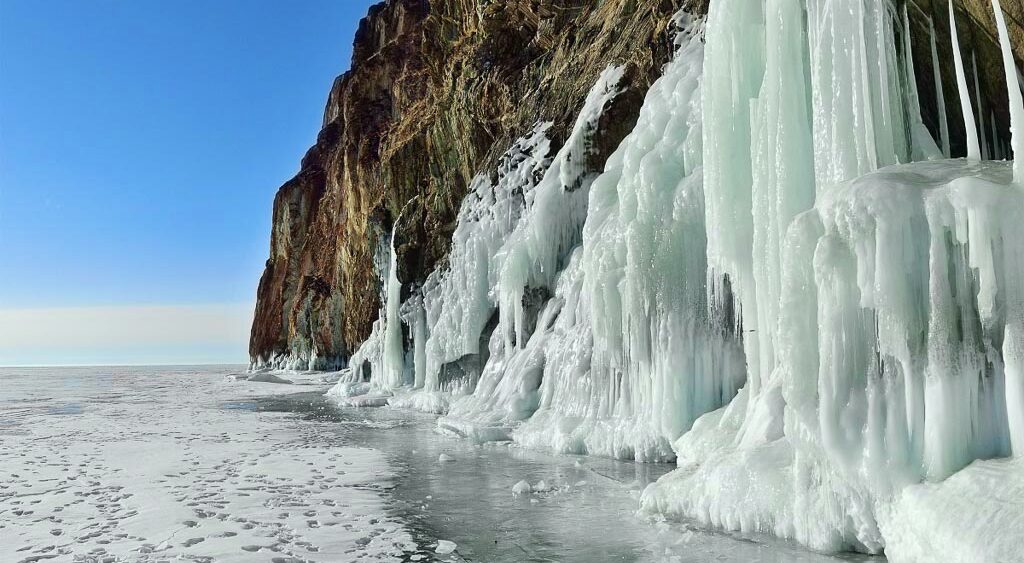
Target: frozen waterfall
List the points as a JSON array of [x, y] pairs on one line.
[[778, 280]]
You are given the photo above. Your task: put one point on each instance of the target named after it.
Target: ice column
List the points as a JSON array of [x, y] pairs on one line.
[[733, 63], [940, 98], [858, 116], [923, 146], [1014, 93], [986, 151], [414, 316], [393, 354], [1013, 251], [783, 172], [973, 150]]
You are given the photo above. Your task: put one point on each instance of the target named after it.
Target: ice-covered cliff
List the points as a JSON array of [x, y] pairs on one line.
[[436, 93], [775, 276]]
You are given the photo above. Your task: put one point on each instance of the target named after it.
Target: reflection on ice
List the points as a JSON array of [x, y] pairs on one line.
[[571, 508]]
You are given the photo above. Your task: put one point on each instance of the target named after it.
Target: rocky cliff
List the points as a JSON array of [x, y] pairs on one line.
[[436, 92]]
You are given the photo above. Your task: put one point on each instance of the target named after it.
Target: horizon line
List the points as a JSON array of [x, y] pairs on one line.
[[107, 365]]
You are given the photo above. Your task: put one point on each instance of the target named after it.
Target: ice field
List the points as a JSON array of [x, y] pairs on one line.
[[188, 464]]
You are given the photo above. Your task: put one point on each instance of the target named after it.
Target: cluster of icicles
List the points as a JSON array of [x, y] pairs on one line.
[[779, 280]]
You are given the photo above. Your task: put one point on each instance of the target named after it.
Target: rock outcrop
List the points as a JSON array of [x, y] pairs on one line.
[[436, 92]]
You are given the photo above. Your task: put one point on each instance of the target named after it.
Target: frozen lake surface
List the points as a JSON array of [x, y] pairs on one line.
[[163, 464]]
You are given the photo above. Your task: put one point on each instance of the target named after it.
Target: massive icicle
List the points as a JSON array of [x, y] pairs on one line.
[[923, 146], [986, 150], [1016, 98], [459, 302], [1013, 258], [940, 97], [538, 248], [973, 150]]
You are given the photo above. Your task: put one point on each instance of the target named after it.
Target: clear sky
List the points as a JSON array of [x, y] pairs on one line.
[[141, 144]]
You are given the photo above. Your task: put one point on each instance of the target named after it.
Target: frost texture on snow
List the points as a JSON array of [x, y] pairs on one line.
[[776, 280], [147, 465]]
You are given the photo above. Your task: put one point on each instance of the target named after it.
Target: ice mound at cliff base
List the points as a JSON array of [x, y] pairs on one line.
[[266, 377], [358, 394], [915, 271], [345, 389], [433, 402], [975, 515]]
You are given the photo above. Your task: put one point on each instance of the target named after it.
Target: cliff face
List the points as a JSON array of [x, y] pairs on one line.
[[436, 92]]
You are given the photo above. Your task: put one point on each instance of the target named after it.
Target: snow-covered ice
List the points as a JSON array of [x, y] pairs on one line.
[[163, 464], [445, 547], [542, 487], [154, 464], [522, 488], [267, 377]]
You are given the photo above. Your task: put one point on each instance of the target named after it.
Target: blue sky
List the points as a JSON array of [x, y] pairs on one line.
[[141, 144]]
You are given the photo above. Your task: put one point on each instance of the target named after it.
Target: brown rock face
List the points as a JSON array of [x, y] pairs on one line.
[[437, 91]]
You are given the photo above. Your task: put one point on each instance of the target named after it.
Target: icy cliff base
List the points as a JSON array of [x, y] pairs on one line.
[[760, 283], [975, 515], [834, 472]]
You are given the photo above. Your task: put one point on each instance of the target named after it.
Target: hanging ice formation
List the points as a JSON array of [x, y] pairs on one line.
[[940, 98], [761, 283], [973, 148], [636, 353], [891, 359], [986, 150], [922, 143], [381, 359]]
